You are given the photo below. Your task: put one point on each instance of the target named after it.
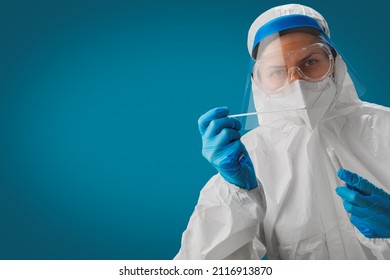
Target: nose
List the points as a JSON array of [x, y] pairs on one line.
[[294, 75]]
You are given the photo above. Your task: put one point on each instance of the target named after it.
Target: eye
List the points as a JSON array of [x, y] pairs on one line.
[[310, 62], [278, 74]]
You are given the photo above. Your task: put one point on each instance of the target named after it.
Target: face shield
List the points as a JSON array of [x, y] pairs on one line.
[[294, 74]]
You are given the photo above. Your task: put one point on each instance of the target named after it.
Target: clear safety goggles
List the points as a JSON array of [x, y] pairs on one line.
[[274, 70]]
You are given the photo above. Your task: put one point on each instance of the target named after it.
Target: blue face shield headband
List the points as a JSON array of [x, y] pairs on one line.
[[283, 23]]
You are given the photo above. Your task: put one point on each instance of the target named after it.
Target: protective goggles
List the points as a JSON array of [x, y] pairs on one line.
[[277, 67]]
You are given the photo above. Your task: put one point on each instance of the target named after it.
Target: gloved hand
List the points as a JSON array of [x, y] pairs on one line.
[[369, 205], [222, 147]]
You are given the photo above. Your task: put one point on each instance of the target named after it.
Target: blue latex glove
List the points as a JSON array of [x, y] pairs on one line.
[[369, 205], [222, 147]]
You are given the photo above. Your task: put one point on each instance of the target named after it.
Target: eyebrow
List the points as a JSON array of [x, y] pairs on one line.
[[275, 67]]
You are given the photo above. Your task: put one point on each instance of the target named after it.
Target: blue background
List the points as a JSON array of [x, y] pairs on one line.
[[100, 156]]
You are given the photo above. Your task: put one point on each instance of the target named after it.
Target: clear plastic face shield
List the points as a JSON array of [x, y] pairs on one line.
[[291, 74]]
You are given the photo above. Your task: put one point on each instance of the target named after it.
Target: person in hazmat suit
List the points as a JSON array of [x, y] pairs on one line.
[[312, 180]]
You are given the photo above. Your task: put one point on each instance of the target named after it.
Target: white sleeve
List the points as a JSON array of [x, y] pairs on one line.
[[225, 224], [380, 247]]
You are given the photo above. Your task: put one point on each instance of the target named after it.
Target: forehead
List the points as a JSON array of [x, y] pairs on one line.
[[289, 42]]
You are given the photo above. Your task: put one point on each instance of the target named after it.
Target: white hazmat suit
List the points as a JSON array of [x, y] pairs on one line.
[[295, 212]]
